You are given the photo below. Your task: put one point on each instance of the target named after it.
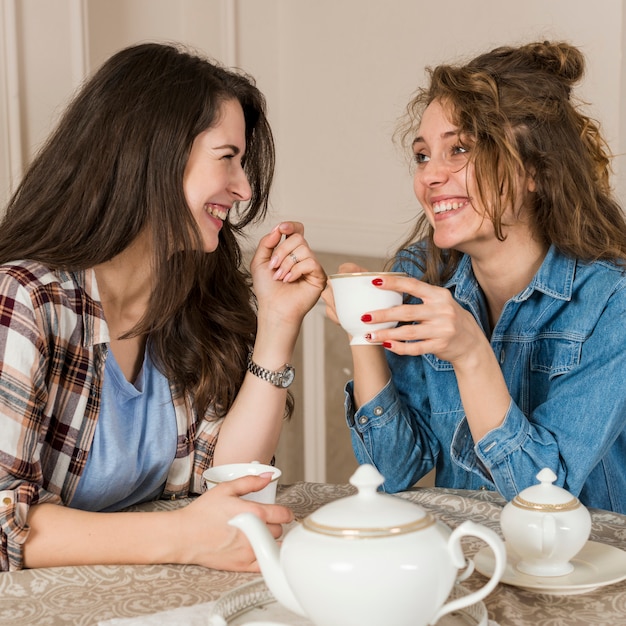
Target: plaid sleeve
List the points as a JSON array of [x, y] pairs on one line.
[[22, 394]]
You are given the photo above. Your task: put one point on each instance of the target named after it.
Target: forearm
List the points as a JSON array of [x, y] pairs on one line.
[[252, 427], [61, 536], [484, 393], [371, 373], [386, 424]]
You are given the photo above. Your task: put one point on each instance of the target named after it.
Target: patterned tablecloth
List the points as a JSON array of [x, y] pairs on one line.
[[88, 595]]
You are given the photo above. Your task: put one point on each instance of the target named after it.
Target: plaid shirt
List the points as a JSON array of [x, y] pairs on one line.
[[53, 346]]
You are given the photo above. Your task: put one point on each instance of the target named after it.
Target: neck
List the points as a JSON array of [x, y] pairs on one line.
[[506, 270], [125, 284]]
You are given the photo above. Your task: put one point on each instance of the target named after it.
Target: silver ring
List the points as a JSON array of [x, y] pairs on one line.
[[293, 257]]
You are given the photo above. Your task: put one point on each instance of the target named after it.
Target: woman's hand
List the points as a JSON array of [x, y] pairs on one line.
[[287, 278], [211, 541], [197, 534], [439, 325]]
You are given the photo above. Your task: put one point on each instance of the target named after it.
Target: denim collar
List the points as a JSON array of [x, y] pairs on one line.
[[555, 278]]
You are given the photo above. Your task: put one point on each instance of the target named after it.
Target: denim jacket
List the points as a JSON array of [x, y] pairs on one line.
[[561, 344]]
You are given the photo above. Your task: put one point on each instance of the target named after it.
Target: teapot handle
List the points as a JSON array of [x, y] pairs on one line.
[[456, 552], [467, 572]]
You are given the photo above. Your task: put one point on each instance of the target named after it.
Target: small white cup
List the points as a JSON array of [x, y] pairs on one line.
[[223, 473], [354, 295]]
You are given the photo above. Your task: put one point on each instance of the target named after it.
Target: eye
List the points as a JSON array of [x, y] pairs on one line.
[[421, 158], [458, 149]]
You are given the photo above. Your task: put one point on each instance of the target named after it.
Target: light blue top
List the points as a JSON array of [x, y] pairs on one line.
[[561, 344], [134, 442]]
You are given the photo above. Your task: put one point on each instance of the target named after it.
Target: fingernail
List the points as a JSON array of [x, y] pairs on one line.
[[386, 344], [366, 317], [273, 262], [278, 274], [287, 277], [266, 474], [377, 282], [368, 336]]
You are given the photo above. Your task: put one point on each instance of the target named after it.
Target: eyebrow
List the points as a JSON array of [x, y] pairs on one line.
[[228, 146], [446, 135]]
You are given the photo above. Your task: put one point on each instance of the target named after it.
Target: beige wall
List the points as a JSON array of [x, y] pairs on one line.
[[337, 74]]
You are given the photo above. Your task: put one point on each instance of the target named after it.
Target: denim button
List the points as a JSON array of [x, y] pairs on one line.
[[378, 411], [483, 488], [363, 420]]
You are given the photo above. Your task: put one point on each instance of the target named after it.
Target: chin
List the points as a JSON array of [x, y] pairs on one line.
[[210, 242]]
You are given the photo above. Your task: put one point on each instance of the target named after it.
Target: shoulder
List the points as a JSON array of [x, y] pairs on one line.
[[602, 276], [40, 281], [31, 275], [56, 300]]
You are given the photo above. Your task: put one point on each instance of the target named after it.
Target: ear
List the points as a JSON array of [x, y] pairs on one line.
[[531, 186]]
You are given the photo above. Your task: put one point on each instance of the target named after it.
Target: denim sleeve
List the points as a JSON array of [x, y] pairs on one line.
[[384, 435], [574, 429]]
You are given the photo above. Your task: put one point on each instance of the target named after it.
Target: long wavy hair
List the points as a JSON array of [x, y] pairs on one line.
[[515, 106], [113, 169]]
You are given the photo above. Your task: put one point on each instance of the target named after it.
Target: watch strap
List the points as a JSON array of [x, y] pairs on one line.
[[279, 378]]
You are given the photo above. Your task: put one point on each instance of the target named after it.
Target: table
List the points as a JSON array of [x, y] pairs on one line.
[[84, 596]]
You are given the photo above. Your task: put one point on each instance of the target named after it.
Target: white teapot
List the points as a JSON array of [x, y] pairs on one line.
[[368, 559], [545, 526]]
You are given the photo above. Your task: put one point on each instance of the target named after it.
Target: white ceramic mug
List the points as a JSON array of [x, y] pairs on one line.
[[223, 473], [355, 295]]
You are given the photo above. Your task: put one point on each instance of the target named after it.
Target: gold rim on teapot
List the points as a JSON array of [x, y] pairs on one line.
[[369, 533]]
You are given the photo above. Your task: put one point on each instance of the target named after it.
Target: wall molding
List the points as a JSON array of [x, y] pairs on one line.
[[79, 41], [228, 12], [314, 396], [11, 117]]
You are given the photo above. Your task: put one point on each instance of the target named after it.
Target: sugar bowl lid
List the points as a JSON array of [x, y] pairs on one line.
[[368, 513], [545, 496]]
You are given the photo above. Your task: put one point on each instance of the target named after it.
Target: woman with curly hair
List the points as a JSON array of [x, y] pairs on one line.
[[510, 349], [136, 349]]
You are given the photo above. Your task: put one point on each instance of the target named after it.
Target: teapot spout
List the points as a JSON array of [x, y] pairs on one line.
[[267, 554]]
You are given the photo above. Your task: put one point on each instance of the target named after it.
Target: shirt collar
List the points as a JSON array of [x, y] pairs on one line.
[[95, 329], [555, 278]]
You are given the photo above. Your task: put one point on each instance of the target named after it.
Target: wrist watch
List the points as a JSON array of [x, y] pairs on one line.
[[280, 378]]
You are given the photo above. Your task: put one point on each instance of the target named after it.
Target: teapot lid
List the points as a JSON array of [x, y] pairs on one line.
[[545, 496], [369, 513]]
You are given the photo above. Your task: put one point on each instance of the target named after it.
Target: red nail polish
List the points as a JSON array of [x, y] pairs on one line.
[[377, 282], [386, 344], [366, 318], [368, 336]]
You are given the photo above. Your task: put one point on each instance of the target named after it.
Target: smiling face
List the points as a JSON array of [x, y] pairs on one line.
[[444, 181], [214, 178], [445, 185]]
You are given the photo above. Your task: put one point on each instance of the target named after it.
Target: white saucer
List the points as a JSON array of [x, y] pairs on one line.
[[596, 565], [253, 603]]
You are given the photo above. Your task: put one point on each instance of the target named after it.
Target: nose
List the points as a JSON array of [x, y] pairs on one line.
[[433, 172], [239, 185]]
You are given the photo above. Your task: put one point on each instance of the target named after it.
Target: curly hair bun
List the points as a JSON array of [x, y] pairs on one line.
[[557, 58]]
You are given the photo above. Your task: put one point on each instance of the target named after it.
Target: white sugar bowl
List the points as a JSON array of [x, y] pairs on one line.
[[546, 526]]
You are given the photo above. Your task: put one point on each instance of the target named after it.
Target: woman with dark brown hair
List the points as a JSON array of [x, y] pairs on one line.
[[509, 355], [136, 350]]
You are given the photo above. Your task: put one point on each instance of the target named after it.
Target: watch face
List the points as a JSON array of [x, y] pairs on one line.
[[288, 375]]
